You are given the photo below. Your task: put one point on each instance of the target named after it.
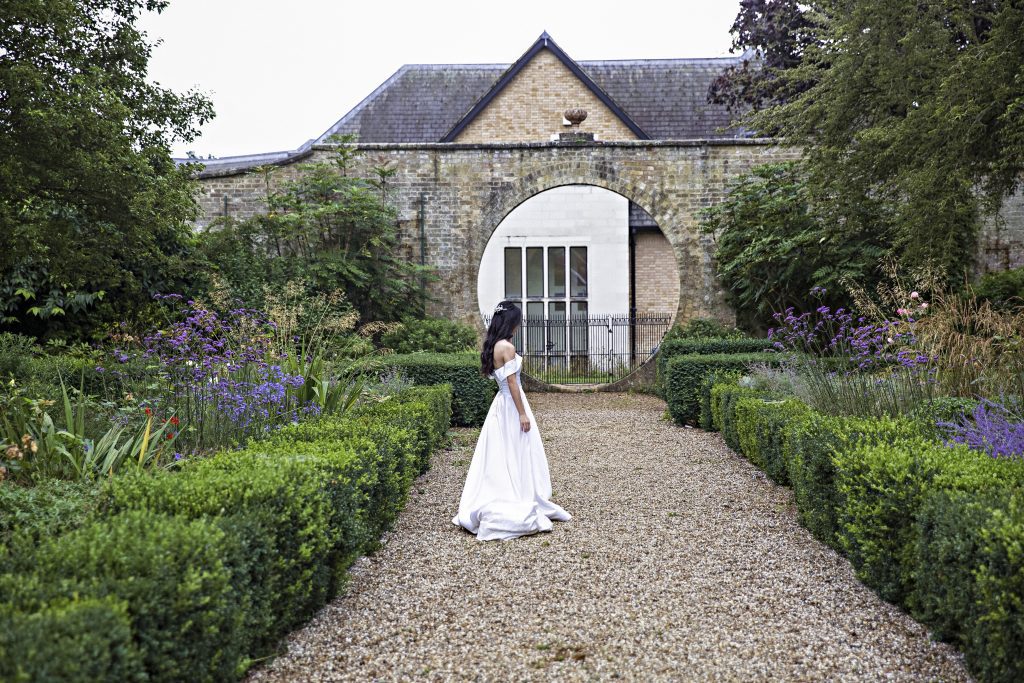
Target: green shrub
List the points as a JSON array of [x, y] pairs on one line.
[[762, 427], [175, 578], [942, 409], [996, 639], [724, 418], [73, 640], [808, 451], [670, 348], [16, 353], [685, 374], [53, 507], [703, 328], [280, 512], [434, 335], [882, 487], [425, 411], [1004, 289], [706, 419], [472, 392]]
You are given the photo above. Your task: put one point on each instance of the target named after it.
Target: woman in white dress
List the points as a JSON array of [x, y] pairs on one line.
[[508, 485]]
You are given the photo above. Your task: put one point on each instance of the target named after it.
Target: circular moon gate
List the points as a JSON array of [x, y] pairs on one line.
[[596, 279]]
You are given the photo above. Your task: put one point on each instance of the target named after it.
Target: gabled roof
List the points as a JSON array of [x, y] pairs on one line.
[[666, 99], [545, 42]]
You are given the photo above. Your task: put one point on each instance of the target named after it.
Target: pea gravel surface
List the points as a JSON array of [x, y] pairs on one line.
[[683, 562]]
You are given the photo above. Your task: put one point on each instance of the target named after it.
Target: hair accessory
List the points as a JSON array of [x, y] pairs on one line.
[[499, 308]]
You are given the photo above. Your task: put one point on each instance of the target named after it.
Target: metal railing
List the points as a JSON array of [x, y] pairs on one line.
[[593, 349]]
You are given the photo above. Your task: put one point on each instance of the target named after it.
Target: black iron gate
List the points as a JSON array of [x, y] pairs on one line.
[[595, 349]]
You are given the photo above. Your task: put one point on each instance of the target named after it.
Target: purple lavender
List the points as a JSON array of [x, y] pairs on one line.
[[993, 428]]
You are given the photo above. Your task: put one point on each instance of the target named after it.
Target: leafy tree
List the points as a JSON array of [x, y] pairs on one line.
[[772, 249], [913, 126], [328, 229], [94, 215], [773, 36]]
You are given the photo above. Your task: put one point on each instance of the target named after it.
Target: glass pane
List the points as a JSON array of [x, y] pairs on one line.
[[556, 326], [556, 272], [578, 271], [513, 272], [535, 272], [534, 324], [578, 324]]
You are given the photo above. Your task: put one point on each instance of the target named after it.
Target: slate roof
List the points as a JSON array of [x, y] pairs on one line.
[[665, 98]]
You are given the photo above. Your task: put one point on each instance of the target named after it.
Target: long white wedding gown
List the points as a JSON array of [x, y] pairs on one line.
[[508, 485]]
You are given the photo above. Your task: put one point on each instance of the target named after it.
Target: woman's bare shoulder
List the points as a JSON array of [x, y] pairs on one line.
[[504, 350]]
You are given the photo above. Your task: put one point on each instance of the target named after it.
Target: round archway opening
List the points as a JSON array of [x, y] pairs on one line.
[[595, 277]]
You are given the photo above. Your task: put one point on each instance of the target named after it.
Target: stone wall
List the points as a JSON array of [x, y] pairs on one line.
[[1002, 240], [530, 107], [466, 190]]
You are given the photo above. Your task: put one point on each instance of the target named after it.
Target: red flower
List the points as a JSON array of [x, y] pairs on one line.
[[149, 411], [174, 420], [170, 435]]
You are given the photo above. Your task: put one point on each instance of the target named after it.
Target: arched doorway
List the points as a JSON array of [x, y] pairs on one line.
[[595, 277]]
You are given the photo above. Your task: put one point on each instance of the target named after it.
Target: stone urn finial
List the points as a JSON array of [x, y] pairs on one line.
[[575, 116]]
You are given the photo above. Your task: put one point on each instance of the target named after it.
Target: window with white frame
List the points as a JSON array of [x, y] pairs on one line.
[[553, 300]]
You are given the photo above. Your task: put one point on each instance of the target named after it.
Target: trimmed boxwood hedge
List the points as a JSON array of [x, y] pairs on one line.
[[938, 529], [670, 348], [472, 392], [882, 487], [206, 568], [762, 428], [685, 374]]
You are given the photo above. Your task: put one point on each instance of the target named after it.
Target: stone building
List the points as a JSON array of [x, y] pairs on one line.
[[506, 197]]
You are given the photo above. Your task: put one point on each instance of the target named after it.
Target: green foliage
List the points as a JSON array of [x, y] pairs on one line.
[[1004, 289], [327, 229], [175, 579], [473, 392], [725, 398], [29, 515], [771, 249], [882, 487], [16, 352], [912, 110], [94, 214], [706, 420], [684, 375], [436, 335], [73, 640], [809, 453], [763, 427], [705, 346], [280, 516], [703, 328]]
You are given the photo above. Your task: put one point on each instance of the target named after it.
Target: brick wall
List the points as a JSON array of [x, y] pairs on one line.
[[657, 277], [466, 191], [530, 108]]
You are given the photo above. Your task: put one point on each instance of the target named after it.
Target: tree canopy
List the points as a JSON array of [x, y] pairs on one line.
[[94, 214], [910, 115]]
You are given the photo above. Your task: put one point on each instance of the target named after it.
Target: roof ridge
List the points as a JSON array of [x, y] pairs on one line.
[[545, 41]]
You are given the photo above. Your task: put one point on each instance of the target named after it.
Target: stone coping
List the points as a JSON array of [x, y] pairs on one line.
[[493, 146]]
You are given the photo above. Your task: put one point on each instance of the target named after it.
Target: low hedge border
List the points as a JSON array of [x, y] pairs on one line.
[[192, 575], [938, 529], [685, 375], [472, 392], [712, 346]]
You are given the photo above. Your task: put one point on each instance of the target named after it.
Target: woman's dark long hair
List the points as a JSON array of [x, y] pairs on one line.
[[503, 326]]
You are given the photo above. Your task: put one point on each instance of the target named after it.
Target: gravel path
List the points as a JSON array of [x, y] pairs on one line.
[[683, 562]]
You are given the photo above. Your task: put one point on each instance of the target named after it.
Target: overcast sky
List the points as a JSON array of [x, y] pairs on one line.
[[281, 72]]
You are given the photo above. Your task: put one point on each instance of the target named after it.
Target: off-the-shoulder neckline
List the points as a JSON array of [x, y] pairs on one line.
[[511, 360]]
